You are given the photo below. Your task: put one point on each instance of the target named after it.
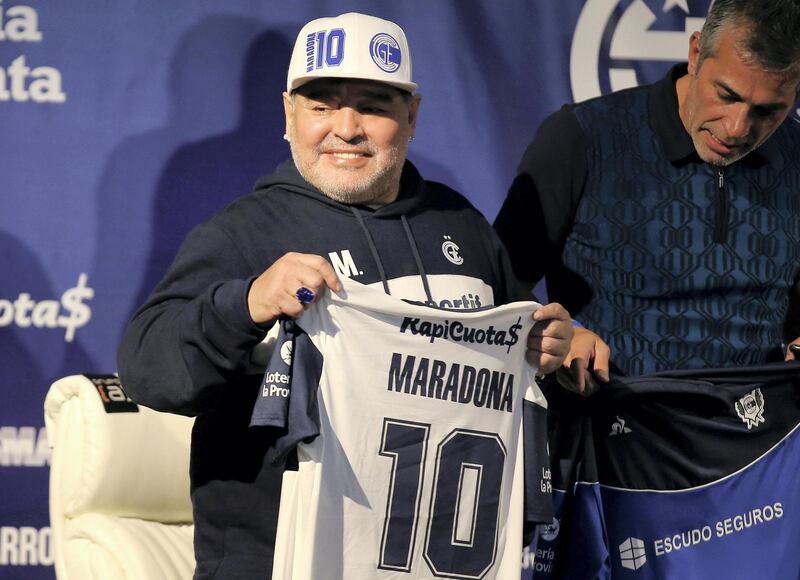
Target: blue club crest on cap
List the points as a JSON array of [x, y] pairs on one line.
[[385, 52]]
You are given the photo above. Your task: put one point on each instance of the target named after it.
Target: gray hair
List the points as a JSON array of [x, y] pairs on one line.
[[773, 32]]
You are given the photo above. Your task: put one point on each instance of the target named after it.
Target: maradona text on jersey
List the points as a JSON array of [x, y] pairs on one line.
[[456, 331], [454, 382]]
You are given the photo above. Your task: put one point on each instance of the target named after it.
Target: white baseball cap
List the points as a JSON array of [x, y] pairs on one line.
[[354, 46]]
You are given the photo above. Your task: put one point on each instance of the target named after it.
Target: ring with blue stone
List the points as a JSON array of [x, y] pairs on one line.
[[304, 295]]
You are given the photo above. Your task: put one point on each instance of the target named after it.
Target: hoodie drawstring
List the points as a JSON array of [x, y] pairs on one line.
[[414, 250], [375, 256], [373, 249]]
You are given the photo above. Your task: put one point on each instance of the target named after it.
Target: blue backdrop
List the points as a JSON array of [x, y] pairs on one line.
[[122, 124]]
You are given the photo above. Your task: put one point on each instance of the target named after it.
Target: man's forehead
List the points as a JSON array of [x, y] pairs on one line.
[[333, 87], [738, 72]]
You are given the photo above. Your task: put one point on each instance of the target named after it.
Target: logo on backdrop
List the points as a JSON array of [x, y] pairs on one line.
[[24, 446], [25, 546], [69, 313], [20, 81], [620, 44]]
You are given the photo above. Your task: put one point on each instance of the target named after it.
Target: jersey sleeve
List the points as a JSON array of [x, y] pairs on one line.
[[538, 483], [287, 399]]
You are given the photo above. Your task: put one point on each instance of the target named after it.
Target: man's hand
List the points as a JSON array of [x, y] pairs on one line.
[[790, 352], [587, 360], [274, 293], [549, 338]]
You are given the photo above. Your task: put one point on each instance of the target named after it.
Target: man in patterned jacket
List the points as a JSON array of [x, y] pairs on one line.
[[666, 217]]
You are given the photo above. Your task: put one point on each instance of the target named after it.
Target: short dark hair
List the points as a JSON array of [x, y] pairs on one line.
[[773, 32]]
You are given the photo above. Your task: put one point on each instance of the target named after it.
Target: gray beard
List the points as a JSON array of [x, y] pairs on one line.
[[378, 188]]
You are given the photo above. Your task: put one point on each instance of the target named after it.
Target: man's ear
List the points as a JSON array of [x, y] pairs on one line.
[[694, 53], [288, 112], [413, 110]]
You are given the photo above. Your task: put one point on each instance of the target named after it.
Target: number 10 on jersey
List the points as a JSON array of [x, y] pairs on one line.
[[461, 529]]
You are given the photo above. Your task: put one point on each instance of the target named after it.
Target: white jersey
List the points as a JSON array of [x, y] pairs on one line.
[[408, 431]]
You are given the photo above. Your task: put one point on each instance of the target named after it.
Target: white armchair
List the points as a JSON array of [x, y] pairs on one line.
[[119, 484]]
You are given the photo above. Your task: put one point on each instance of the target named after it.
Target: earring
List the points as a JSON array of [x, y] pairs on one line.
[[285, 137]]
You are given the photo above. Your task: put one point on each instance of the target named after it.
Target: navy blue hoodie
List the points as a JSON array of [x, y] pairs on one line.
[[193, 348]]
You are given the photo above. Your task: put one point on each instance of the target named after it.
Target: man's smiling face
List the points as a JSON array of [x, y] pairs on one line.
[[349, 138]]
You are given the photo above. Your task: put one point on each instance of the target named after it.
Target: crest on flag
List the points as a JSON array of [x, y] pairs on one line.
[[750, 408]]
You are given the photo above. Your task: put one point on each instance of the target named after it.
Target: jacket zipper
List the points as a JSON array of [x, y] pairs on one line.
[[721, 204]]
